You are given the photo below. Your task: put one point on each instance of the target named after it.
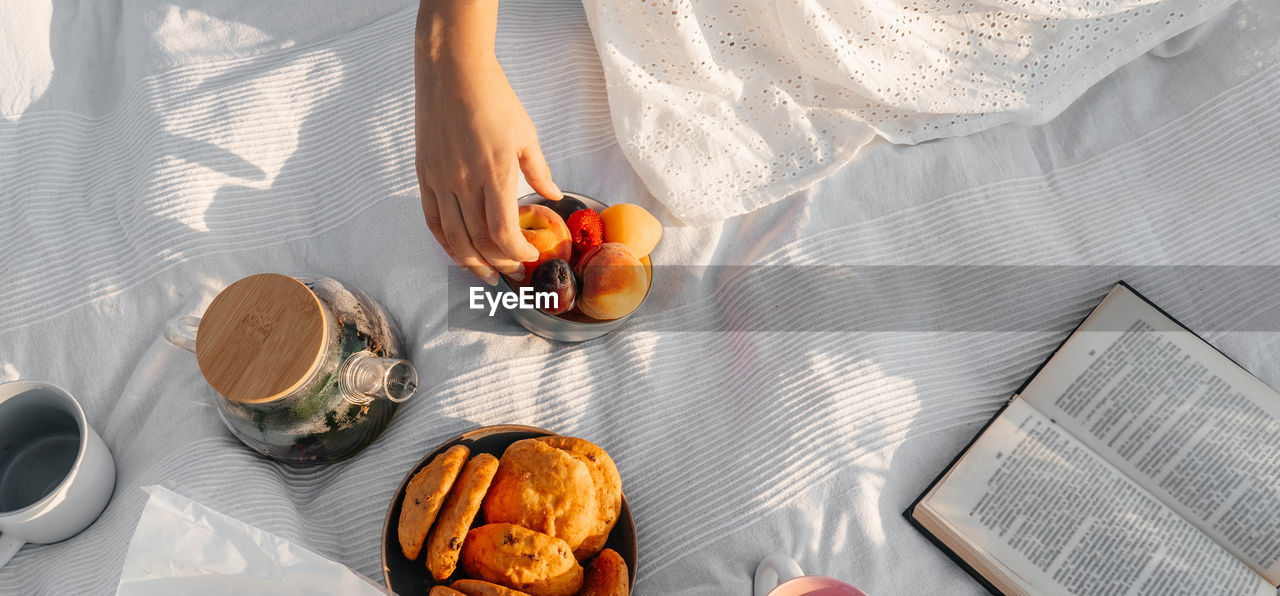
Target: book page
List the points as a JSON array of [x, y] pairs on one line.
[[1176, 416], [1061, 520]]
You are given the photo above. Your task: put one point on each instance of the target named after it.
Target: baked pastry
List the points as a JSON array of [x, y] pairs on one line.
[[445, 541], [608, 485], [545, 489], [475, 587], [606, 576], [522, 559], [444, 591], [424, 496]]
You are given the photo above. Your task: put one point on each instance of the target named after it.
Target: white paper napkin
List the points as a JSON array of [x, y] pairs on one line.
[[183, 547]]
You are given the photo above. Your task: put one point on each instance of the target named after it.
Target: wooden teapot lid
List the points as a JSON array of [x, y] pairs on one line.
[[260, 338]]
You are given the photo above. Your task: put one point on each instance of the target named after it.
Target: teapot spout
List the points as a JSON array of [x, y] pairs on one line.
[[366, 377]]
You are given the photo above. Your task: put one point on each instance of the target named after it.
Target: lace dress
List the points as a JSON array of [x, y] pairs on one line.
[[723, 107]]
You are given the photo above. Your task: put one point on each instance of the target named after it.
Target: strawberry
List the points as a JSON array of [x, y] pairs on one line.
[[586, 231]]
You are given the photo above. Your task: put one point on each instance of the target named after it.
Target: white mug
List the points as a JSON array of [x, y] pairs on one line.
[[56, 474]]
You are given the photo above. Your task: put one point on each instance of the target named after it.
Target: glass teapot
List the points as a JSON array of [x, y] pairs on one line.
[[307, 370]]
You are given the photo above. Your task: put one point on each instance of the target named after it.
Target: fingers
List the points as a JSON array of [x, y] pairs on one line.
[[432, 212], [472, 206], [501, 218], [454, 227], [538, 173], [479, 229]]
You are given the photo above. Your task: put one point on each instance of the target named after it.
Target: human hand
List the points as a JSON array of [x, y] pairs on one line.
[[472, 136]]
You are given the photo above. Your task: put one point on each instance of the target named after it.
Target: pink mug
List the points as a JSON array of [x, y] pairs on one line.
[[779, 575]]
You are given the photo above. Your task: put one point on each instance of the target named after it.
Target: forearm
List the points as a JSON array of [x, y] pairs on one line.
[[472, 140]]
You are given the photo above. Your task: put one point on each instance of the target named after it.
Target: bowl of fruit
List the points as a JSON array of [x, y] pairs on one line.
[[592, 257]]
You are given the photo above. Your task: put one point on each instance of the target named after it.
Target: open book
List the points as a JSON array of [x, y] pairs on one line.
[[1137, 460]]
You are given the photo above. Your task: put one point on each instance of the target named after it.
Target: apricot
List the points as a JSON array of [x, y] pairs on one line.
[[614, 281], [633, 226], [547, 232]]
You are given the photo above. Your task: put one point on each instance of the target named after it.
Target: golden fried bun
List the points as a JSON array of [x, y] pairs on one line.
[[545, 489], [445, 591], [608, 483], [521, 559], [606, 576]]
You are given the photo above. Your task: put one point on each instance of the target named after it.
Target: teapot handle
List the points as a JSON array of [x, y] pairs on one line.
[[181, 332]]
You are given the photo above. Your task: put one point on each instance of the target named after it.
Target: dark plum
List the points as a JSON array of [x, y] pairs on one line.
[[555, 276], [564, 207]]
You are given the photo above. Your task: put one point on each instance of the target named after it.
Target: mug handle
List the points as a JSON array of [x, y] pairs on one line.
[[774, 570], [181, 332], [9, 545]]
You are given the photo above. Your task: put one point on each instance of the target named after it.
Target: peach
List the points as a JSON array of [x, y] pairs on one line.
[[633, 226], [614, 281], [545, 230]]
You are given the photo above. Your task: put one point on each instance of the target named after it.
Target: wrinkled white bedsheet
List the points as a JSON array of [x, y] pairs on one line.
[[153, 152]]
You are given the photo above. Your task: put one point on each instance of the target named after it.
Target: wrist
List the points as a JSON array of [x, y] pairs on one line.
[[452, 67], [444, 55], [448, 39]]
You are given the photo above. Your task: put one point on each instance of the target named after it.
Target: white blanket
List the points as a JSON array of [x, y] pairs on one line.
[[151, 154]]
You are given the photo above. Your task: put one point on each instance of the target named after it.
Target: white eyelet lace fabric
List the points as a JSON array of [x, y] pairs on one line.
[[724, 107]]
